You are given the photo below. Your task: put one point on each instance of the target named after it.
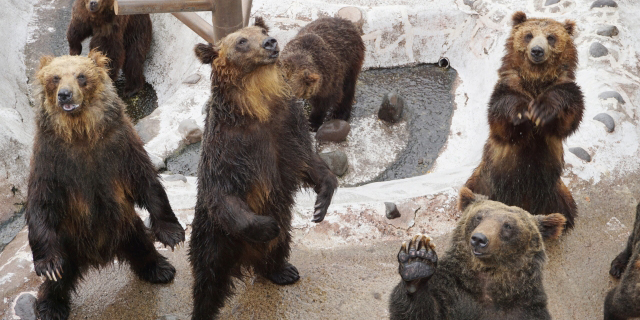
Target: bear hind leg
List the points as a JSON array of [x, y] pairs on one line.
[[137, 41], [54, 297], [276, 268], [146, 262], [566, 205], [343, 109]]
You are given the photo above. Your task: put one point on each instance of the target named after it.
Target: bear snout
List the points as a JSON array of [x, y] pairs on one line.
[[271, 44], [479, 243], [93, 6], [64, 96], [537, 53]]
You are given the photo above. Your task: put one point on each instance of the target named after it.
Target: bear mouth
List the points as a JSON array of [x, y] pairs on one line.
[[479, 254], [68, 107], [274, 54]]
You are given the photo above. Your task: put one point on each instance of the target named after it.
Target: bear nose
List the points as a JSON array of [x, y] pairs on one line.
[[65, 95], [479, 240], [270, 43], [93, 5], [537, 52]]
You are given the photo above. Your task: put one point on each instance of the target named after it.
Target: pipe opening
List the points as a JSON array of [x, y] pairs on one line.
[[444, 63]]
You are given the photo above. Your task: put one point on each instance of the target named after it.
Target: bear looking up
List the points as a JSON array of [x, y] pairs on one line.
[[123, 39], [322, 64], [88, 170], [535, 105], [623, 301], [256, 153], [491, 271]]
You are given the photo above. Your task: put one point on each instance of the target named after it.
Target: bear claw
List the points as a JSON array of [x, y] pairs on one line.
[[418, 260]]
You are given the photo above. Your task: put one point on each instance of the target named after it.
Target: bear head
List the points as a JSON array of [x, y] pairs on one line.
[[303, 74], [96, 6], [544, 47], [496, 235]]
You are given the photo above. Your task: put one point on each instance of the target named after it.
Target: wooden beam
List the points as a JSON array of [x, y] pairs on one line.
[[227, 17], [246, 12], [197, 24], [125, 7]]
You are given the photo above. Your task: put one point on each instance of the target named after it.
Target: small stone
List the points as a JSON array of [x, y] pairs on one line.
[[377, 295], [391, 108], [190, 131], [192, 79], [608, 31], [333, 131], [581, 153], [469, 2], [175, 177], [391, 210], [598, 50], [336, 161], [168, 317], [25, 307], [551, 2], [607, 120], [352, 14], [158, 163], [611, 94], [147, 129], [604, 3]]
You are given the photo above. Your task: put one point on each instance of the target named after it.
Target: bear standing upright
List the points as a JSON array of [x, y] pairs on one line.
[[89, 169], [491, 271], [535, 105], [256, 153], [123, 39], [322, 64]]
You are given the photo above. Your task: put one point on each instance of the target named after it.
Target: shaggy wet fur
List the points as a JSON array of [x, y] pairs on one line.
[[504, 283], [256, 154], [322, 64], [533, 109], [89, 169], [125, 39], [623, 301]]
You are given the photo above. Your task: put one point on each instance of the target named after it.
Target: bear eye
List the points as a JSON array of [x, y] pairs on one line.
[[82, 80], [528, 37], [551, 39], [242, 41], [264, 32], [478, 218], [56, 79], [507, 226]]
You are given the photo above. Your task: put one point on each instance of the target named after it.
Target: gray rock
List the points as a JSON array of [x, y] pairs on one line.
[[391, 210], [147, 129], [391, 108], [336, 161], [604, 3], [192, 79], [175, 177], [169, 317], [611, 94], [551, 2], [25, 307], [190, 131], [469, 2], [157, 162], [608, 31], [607, 120], [333, 131], [598, 50], [581, 153]]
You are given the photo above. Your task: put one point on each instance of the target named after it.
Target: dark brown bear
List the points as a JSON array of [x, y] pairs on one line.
[[322, 64], [491, 271], [124, 39], [256, 154], [623, 301], [89, 169], [535, 105]]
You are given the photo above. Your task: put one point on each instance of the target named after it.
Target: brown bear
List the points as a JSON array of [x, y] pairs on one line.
[[623, 301], [88, 171], [322, 64], [256, 153], [535, 105], [491, 271], [125, 40]]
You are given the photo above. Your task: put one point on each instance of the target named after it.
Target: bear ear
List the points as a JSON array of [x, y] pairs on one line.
[[466, 198], [311, 78], [518, 18], [551, 225], [45, 61], [98, 58], [206, 53], [260, 23], [570, 26]]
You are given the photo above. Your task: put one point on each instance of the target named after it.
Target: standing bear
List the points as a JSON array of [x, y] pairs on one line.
[[256, 153], [89, 169], [623, 301], [535, 105], [125, 40], [322, 64], [491, 271]]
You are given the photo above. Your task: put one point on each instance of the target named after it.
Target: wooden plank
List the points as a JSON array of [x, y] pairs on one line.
[[125, 7], [197, 24]]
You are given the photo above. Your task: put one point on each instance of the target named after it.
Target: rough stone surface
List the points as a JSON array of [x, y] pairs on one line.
[[608, 31], [352, 14], [607, 120], [147, 129], [190, 131], [604, 3], [611, 94], [192, 79], [25, 307], [597, 50], [175, 177], [391, 211], [333, 131], [551, 2], [581, 153], [391, 108], [336, 161]]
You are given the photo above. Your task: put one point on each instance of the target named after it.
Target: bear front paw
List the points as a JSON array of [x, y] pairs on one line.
[[262, 229], [418, 261], [169, 233], [541, 111], [50, 267], [618, 265]]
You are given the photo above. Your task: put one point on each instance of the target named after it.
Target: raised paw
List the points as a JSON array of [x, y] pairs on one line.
[[287, 275], [169, 233], [261, 229], [50, 267], [325, 193], [417, 261], [158, 271], [519, 118], [540, 111], [618, 265]]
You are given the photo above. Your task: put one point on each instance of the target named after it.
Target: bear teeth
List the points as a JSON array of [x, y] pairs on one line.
[[69, 107]]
